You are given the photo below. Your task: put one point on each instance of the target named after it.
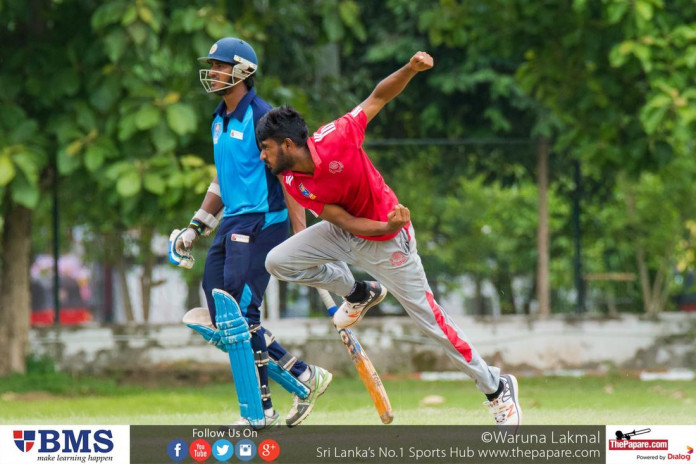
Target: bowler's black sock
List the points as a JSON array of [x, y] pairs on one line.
[[358, 294], [493, 396]]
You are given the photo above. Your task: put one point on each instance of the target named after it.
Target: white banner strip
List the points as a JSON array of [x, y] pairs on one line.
[[89, 444]]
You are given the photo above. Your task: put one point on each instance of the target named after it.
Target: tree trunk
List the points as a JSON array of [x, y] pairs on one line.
[[15, 306], [660, 286], [479, 306], [529, 297], [120, 266], [146, 283], [503, 283], [611, 302], [641, 261], [663, 293], [656, 293], [108, 299], [543, 287]]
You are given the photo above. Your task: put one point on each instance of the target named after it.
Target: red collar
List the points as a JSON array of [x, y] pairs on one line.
[[315, 158]]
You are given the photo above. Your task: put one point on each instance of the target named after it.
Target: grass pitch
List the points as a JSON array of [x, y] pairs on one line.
[[56, 398]]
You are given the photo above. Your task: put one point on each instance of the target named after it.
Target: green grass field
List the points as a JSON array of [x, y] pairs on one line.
[[46, 397]]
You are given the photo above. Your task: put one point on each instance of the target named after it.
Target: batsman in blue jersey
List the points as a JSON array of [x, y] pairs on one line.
[[253, 213]]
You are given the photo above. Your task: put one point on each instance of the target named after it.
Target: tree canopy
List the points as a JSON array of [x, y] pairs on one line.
[[107, 92]]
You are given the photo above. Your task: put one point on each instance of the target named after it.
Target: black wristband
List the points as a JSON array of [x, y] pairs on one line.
[[197, 226]]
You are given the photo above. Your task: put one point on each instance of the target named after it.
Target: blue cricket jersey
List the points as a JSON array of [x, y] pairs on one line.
[[246, 184]]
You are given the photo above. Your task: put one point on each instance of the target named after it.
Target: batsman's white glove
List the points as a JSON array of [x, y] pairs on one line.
[[185, 239], [180, 244]]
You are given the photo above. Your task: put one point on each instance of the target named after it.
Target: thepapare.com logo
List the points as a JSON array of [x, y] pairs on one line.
[[48, 441]]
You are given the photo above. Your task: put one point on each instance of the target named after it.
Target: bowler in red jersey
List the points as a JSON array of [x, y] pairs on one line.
[[364, 225]]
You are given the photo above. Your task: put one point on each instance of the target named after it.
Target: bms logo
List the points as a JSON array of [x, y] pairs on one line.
[[24, 439], [65, 441]]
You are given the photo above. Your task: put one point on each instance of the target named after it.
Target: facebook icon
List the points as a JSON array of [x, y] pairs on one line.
[[177, 450]]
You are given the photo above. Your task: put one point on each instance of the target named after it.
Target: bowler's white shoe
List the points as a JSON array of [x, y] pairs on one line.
[[506, 407], [350, 314]]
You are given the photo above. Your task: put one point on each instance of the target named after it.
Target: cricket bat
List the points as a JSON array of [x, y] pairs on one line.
[[367, 371]]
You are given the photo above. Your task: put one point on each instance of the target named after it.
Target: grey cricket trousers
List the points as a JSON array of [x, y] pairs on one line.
[[318, 257]]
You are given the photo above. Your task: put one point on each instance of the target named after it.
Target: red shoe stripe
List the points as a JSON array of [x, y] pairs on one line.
[[461, 346]]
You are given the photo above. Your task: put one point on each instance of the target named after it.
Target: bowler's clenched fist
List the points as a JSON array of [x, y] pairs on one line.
[[421, 61], [398, 217]]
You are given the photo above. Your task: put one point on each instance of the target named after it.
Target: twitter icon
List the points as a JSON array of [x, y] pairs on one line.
[[223, 450]]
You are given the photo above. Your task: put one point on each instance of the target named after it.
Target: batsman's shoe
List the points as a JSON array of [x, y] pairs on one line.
[[318, 381], [506, 407], [268, 422], [350, 314]]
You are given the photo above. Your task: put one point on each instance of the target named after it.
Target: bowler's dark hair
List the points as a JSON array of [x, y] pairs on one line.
[[281, 123]]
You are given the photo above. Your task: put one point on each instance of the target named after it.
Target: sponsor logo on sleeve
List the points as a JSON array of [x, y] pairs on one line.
[[217, 130], [306, 192]]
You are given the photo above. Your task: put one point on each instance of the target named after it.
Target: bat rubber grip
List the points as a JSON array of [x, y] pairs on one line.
[[328, 301]]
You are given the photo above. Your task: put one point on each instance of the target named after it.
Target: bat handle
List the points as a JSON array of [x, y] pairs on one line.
[[331, 307]]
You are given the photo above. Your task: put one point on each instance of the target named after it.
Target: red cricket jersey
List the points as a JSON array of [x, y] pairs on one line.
[[343, 174]]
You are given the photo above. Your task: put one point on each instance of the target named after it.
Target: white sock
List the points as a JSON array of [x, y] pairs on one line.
[[268, 412], [305, 375]]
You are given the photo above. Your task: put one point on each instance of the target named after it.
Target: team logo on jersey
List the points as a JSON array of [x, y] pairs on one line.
[[288, 179], [306, 192], [335, 167], [217, 130]]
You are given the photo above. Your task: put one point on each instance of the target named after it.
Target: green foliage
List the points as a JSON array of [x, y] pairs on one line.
[[610, 82], [21, 155], [470, 217], [181, 118]]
